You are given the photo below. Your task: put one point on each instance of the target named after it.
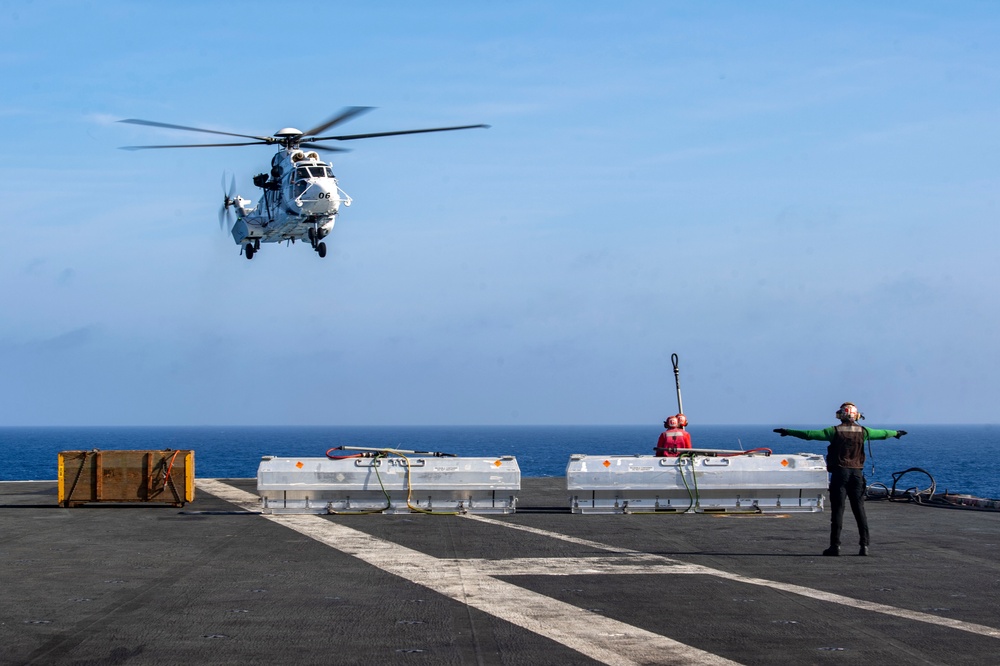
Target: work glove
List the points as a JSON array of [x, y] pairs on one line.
[[900, 433], [784, 433]]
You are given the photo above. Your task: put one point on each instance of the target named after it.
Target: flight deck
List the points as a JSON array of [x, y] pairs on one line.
[[219, 582]]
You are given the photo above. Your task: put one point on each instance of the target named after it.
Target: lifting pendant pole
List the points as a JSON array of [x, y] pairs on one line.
[[677, 382]]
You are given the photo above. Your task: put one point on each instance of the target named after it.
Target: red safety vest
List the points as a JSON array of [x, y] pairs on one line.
[[673, 438]]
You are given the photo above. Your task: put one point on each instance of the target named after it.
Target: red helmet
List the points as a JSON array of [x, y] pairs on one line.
[[682, 420], [672, 422]]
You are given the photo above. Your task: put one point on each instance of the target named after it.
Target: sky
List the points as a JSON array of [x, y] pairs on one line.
[[799, 199]]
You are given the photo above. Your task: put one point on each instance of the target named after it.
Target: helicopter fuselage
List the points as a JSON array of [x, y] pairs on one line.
[[300, 201]]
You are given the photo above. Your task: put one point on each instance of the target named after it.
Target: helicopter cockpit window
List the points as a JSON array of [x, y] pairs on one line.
[[312, 172]]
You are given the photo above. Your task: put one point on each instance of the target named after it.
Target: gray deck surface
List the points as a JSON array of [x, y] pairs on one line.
[[161, 585]]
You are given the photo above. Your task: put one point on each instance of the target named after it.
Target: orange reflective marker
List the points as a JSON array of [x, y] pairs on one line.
[[784, 463], [299, 465], [498, 463], [607, 463]]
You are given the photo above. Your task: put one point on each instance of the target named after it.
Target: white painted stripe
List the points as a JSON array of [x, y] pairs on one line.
[[800, 590], [577, 566], [603, 639]]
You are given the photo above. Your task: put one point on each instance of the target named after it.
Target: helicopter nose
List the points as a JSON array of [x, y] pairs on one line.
[[321, 198], [330, 198]]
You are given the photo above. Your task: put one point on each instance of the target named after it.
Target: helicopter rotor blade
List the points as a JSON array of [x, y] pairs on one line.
[[196, 145], [351, 137], [329, 149], [153, 123], [345, 114]]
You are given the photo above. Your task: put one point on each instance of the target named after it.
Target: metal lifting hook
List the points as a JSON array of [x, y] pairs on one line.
[[677, 380]]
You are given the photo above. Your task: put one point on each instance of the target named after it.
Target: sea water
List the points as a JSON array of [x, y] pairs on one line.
[[961, 459]]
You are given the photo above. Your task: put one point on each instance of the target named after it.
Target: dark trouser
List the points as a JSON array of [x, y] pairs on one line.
[[849, 483]]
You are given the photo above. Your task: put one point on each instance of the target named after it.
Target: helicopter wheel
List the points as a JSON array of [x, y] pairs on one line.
[[321, 248], [248, 251]]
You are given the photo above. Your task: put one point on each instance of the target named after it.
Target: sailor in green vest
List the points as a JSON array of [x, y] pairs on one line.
[[845, 461]]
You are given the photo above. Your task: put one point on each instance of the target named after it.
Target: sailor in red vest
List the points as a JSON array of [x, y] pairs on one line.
[[674, 437]]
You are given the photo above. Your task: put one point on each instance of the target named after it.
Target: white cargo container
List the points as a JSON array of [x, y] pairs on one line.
[[697, 481], [389, 484]]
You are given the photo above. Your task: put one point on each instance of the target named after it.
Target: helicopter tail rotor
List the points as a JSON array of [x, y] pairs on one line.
[[228, 201]]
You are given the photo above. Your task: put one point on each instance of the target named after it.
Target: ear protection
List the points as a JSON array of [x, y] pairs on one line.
[[849, 410], [682, 420]]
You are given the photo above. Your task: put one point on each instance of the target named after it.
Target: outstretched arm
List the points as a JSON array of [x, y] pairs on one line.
[[824, 435], [875, 433]]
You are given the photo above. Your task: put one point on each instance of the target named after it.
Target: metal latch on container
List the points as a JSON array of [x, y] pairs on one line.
[[398, 462]]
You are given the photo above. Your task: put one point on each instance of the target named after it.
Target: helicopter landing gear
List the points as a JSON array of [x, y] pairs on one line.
[[251, 248], [317, 244]]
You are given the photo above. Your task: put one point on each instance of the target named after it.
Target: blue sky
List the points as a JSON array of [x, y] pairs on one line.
[[799, 199]]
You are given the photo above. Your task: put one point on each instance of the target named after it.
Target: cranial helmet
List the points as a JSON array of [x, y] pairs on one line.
[[672, 422], [682, 420], [848, 411]]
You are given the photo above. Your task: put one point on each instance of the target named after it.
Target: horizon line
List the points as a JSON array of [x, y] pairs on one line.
[[452, 425]]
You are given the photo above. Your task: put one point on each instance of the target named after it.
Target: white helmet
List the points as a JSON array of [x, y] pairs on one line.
[[849, 412]]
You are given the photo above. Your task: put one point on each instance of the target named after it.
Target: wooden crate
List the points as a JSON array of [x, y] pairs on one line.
[[162, 477]]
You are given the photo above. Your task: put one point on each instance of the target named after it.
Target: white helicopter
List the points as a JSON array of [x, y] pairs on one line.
[[301, 197]]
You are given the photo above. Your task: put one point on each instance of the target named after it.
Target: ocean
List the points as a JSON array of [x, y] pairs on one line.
[[961, 459]]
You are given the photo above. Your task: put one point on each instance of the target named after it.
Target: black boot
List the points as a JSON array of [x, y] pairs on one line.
[[864, 550], [832, 551]]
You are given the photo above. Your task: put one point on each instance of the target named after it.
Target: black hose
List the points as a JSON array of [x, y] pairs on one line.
[[928, 496], [913, 494]]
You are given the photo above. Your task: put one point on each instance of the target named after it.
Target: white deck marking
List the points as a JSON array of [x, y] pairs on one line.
[[473, 582], [601, 638], [576, 566], [672, 566]]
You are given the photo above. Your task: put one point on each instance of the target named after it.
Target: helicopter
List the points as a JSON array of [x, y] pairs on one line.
[[301, 196]]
